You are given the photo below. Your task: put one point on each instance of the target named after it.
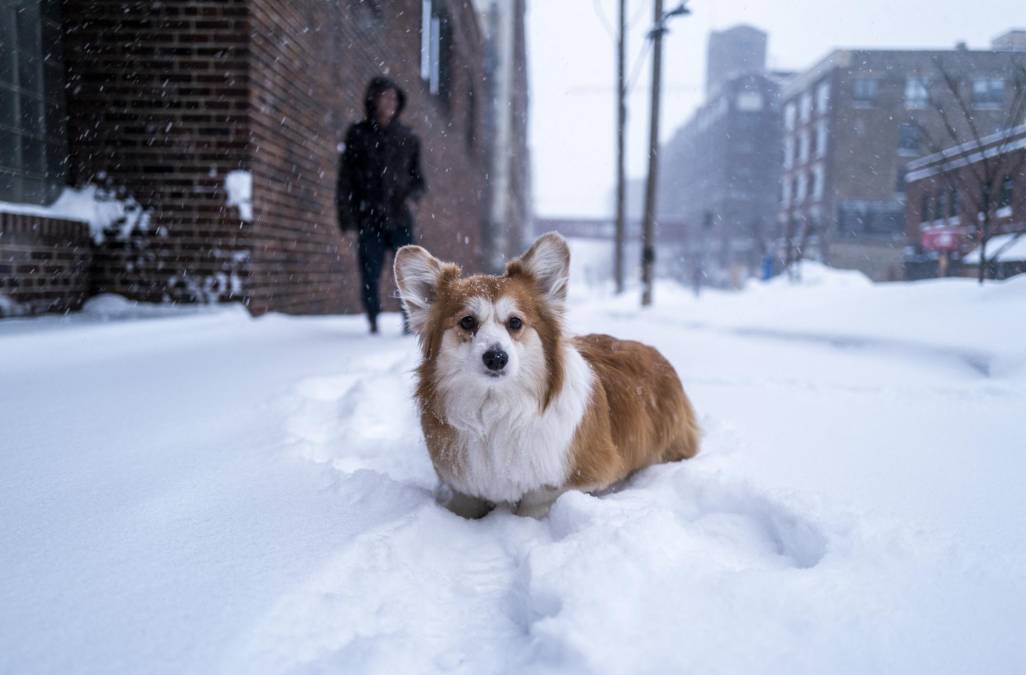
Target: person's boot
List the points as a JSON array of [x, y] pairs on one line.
[[373, 325]]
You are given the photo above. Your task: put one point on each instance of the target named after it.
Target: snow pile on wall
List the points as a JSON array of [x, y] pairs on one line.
[[239, 186], [105, 214]]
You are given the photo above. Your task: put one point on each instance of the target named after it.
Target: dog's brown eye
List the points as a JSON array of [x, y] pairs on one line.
[[515, 323], [468, 323]]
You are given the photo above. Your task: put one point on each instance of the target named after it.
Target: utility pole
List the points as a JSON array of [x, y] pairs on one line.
[[648, 225], [621, 122]]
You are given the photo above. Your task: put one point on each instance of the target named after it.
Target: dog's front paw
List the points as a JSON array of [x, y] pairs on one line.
[[466, 506], [536, 504]]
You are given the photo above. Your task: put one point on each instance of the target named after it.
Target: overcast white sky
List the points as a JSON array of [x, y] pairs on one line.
[[572, 61]]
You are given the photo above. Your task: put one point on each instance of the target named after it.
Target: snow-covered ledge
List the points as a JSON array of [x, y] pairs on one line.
[[90, 205]]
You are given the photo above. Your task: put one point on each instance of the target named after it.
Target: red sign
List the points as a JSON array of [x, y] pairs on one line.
[[943, 238]]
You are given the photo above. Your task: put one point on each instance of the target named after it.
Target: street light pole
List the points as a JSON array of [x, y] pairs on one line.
[[621, 121]]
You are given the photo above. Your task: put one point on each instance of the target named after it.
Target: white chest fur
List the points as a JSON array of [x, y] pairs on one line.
[[506, 445]]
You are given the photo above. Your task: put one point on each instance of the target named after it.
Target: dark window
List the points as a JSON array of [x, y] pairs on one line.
[[471, 129], [910, 137], [953, 202], [864, 89], [436, 49], [32, 119], [938, 211], [988, 91], [924, 207], [1005, 196]]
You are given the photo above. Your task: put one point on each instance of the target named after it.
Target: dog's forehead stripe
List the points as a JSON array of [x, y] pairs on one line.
[[505, 307], [480, 307]]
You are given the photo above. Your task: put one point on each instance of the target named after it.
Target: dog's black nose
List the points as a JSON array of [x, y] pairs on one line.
[[495, 359]]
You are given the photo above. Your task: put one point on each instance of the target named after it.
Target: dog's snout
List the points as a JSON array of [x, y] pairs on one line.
[[495, 359]]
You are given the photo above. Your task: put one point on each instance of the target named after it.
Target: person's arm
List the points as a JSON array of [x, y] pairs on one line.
[[344, 189], [418, 186]]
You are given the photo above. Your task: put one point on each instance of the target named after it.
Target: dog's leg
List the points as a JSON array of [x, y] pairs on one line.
[[466, 506], [536, 503]]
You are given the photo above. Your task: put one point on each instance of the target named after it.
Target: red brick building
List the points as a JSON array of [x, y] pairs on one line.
[[164, 100], [949, 191]]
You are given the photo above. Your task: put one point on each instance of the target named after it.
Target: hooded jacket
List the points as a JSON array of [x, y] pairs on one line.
[[379, 169]]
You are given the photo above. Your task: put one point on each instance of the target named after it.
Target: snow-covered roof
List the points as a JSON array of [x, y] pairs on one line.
[[1013, 251]]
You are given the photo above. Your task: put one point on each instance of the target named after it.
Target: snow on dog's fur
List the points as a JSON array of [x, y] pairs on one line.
[[514, 410]]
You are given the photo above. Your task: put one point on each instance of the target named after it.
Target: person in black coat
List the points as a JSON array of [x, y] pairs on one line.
[[379, 172]]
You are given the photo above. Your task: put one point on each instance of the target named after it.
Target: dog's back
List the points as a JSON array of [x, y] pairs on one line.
[[639, 415]]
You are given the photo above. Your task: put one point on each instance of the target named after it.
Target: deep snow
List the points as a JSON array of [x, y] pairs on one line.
[[199, 491]]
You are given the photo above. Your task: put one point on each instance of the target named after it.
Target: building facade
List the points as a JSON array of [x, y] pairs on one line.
[[166, 104], [721, 168], [956, 195], [854, 122], [507, 199]]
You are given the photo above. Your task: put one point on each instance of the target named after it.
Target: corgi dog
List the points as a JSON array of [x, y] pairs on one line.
[[515, 411]]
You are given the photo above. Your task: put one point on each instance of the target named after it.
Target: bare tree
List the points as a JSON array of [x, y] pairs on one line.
[[982, 180]]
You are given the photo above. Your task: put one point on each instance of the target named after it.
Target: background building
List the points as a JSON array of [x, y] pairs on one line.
[[731, 52], [946, 204], [214, 128], [720, 170], [854, 121], [507, 199]]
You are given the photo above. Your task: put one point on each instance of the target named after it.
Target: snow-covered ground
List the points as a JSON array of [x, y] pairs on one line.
[[206, 492]]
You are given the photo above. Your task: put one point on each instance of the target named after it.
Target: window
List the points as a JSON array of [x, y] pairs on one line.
[[823, 97], [749, 101], [806, 109], [785, 189], [788, 151], [803, 147], [917, 92], [817, 180], [924, 208], [953, 203], [938, 210], [988, 91], [1005, 194], [910, 137], [435, 39], [800, 188], [789, 116], [821, 138], [864, 90], [471, 125], [32, 118]]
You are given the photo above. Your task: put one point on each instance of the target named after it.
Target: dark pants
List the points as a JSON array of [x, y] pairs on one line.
[[373, 244]]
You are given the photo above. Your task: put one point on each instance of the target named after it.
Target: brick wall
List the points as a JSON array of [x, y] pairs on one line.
[[164, 99], [44, 264], [311, 61], [157, 103]]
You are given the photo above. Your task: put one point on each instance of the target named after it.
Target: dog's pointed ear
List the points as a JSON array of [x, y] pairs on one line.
[[417, 275], [548, 262]]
